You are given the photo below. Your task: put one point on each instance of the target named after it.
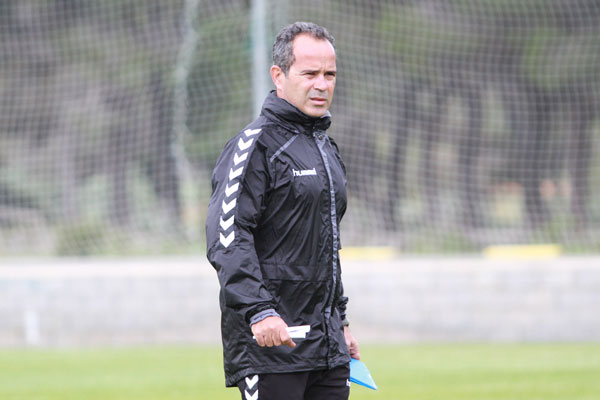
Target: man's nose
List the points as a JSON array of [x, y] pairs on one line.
[[320, 83]]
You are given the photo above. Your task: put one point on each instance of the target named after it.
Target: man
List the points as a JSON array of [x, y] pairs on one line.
[[273, 234]]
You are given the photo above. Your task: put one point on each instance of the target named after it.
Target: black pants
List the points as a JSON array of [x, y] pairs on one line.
[[331, 384]]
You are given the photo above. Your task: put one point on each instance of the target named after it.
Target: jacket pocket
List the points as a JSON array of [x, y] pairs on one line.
[[299, 291], [308, 273]]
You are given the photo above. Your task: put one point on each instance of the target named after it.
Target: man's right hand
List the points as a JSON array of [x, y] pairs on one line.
[[271, 331]]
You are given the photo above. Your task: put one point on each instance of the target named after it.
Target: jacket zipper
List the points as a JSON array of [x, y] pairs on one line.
[[320, 139]]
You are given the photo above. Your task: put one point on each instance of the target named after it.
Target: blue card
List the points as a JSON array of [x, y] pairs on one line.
[[359, 373]]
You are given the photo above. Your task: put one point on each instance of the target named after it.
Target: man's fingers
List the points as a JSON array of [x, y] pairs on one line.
[[272, 331], [354, 350], [354, 353], [276, 340], [286, 339], [351, 343], [269, 341]]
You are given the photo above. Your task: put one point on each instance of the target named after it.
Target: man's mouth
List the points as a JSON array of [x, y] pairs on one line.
[[318, 100]]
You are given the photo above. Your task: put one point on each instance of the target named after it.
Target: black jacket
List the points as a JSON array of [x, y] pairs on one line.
[[279, 193]]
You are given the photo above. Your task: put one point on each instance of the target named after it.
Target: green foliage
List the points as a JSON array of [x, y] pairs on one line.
[[89, 89], [219, 86], [80, 239], [422, 38], [549, 53], [428, 242], [502, 8]]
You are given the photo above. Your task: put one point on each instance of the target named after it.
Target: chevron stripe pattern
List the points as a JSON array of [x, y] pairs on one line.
[[240, 157], [251, 392]]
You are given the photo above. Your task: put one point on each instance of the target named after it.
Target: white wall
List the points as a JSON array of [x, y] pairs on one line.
[[171, 300]]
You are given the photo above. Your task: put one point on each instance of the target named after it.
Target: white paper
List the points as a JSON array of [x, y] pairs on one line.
[[296, 332]]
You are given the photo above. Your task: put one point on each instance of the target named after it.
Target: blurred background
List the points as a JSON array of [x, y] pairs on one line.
[[465, 126], [462, 123]]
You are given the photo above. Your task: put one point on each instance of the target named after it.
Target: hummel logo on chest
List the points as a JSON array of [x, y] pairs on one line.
[[304, 172]]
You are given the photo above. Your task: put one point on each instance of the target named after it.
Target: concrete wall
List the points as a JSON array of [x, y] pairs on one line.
[[162, 301], [472, 299]]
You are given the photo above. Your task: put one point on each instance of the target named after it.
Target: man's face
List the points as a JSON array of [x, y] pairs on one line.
[[310, 81]]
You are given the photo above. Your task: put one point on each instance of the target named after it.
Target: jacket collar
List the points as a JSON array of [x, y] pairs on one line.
[[291, 118]]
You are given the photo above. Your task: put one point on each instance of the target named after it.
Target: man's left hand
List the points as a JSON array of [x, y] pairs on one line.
[[351, 343]]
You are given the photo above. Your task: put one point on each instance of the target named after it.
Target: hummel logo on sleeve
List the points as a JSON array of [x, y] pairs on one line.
[[251, 132], [229, 190], [240, 158], [234, 174], [226, 240], [244, 145], [228, 206], [226, 224], [304, 172]]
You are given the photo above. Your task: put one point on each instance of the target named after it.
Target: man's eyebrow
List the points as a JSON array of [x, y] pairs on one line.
[[312, 71]]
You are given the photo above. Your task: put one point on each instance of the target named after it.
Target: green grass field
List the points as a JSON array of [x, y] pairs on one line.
[[415, 372]]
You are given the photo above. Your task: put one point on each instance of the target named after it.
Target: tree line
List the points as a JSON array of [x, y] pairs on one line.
[[500, 90]]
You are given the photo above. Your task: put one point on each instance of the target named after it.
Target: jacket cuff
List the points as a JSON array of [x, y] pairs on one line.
[[262, 315]]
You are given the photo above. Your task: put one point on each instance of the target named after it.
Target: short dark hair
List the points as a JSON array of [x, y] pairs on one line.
[[283, 52]]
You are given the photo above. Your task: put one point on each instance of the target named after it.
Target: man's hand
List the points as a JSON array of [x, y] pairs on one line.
[[271, 332], [351, 343]]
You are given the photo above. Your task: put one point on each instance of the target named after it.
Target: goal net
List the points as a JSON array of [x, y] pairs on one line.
[[462, 123]]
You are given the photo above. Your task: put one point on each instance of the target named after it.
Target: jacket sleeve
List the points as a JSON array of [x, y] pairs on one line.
[[342, 302], [234, 211]]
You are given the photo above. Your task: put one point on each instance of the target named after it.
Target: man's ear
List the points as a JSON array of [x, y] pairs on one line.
[[277, 76]]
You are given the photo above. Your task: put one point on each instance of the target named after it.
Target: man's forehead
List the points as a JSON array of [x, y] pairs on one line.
[[309, 50], [308, 44]]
